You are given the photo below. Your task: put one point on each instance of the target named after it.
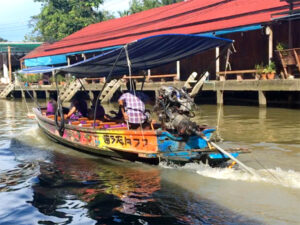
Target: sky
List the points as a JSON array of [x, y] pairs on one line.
[[15, 16]]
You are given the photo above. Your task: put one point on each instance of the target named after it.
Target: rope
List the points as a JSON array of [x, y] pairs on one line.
[[229, 52], [107, 79], [273, 175], [28, 111], [131, 82], [60, 127]]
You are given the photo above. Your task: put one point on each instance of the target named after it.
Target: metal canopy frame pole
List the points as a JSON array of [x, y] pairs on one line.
[[106, 80], [59, 126]]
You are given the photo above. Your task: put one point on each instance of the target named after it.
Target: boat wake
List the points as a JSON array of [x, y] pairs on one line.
[[290, 178]]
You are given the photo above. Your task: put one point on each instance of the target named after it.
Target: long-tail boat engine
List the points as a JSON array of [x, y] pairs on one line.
[[174, 108]]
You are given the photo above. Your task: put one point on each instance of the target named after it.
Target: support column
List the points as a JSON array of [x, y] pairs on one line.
[[68, 61], [148, 75], [269, 32], [5, 68], [34, 94], [178, 70], [91, 95], [47, 93], [23, 94], [262, 100], [220, 97], [53, 78], [9, 63], [217, 63]]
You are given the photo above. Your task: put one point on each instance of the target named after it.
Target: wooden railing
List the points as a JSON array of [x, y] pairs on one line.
[[289, 57], [239, 74], [162, 77], [148, 78]]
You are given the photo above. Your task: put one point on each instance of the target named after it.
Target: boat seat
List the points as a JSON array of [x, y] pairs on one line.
[[50, 117], [86, 125], [108, 123], [92, 121], [117, 128], [75, 123], [83, 119]]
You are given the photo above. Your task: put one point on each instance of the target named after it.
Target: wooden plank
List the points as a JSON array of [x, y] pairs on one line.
[[283, 64], [151, 76], [198, 86], [236, 72], [297, 59]]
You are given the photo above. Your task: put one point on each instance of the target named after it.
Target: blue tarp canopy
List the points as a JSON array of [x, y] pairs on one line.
[[144, 54]]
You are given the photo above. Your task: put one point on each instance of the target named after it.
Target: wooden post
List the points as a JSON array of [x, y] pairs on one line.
[[178, 70], [291, 8], [53, 76], [148, 75], [5, 69], [34, 93], [217, 63], [269, 32], [220, 97], [9, 62], [262, 100], [23, 94], [21, 63], [47, 93], [91, 95]]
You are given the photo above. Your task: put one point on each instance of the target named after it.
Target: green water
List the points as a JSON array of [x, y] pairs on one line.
[[42, 182]]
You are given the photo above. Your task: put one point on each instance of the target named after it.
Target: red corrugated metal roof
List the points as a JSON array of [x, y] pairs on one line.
[[192, 16], [37, 51]]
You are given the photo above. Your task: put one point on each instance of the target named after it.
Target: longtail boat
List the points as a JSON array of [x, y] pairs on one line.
[[175, 138]]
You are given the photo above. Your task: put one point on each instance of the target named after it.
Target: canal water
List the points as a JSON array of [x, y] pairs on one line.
[[42, 182]]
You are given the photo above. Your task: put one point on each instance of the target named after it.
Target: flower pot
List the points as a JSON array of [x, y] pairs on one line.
[[271, 76], [263, 76]]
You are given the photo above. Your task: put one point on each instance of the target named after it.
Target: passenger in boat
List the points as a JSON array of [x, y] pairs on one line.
[[78, 107], [52, 104], [133, 107], [100, 112]]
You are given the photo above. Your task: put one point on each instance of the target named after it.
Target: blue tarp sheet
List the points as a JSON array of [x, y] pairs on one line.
[[233, 30], [144, 54], [46, 60]]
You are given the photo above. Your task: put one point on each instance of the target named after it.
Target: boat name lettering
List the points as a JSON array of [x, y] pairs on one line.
[[118, 139]]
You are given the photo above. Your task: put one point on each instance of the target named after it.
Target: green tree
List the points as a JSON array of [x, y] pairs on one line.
[[60, 18], [2, 39], [142, 5]]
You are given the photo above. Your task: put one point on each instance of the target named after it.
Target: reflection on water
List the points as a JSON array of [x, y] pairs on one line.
[[42, 182]]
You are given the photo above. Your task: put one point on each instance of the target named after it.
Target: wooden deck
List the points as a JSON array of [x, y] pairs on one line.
[[260, 86], [228, 85]]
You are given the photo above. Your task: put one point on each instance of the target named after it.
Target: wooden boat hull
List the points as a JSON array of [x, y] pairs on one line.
[[152, 145]]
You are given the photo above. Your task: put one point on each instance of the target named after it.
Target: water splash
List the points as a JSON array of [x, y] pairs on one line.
[[277, 176]]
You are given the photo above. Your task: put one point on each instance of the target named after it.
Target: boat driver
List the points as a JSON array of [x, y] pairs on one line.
[[133, 107]]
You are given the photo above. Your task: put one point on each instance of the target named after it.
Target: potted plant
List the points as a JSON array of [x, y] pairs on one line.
[[281, 46], [259, 70], [285, 54], [271, 71], [264, 74]]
